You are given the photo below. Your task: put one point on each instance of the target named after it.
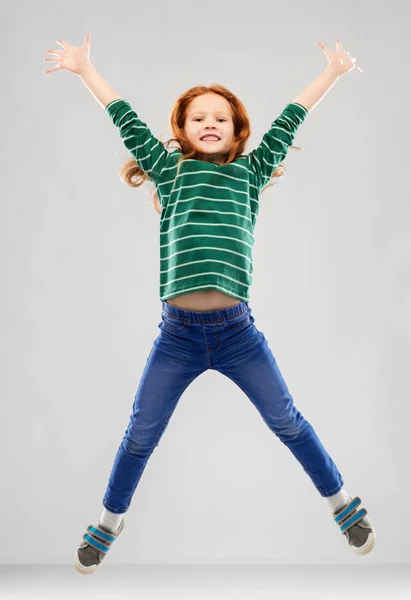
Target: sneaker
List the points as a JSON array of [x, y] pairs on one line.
[[94, 547], [356, 527]]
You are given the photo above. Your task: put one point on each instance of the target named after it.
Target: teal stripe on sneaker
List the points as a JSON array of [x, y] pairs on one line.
[[95, 543], [354, 519], [100, 533], [348, 509]]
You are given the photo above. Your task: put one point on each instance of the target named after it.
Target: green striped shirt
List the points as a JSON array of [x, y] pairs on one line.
[[208, 211]]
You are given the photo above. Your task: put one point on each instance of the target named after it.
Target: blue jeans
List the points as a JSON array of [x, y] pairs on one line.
[[227, 341]]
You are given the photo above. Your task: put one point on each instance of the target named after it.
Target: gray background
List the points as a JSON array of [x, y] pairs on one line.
[[79, 283]]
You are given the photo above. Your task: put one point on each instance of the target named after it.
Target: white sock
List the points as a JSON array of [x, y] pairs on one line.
[[338, 500], [110, 520]]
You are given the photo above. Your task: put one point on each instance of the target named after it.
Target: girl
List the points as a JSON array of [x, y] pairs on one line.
[[207, 194]]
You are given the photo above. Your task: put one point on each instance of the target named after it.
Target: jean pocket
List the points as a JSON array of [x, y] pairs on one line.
[[172, 323]]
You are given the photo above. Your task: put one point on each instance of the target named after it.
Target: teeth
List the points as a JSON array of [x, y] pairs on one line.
[[210, 137]]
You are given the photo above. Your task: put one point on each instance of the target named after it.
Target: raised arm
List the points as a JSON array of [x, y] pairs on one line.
[[148, 151], [276, 142]]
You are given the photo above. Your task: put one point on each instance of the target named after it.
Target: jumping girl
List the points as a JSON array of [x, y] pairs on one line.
[[207, 195]]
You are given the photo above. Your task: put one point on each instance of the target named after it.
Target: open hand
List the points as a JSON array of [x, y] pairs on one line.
[[72, 58], [339, 59]]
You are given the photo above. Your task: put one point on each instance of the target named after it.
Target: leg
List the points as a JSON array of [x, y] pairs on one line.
[[171, 367], [256, 372]]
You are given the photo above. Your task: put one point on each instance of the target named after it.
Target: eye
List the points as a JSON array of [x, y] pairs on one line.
[[221, 119]]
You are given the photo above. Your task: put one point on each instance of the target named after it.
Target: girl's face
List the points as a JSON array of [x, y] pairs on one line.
[[210, 114]]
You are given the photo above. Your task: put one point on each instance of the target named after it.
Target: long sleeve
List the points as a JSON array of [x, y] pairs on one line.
[[275, 143], [148, 151]]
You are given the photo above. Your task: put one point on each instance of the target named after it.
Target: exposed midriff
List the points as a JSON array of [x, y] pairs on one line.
[[203, 300]]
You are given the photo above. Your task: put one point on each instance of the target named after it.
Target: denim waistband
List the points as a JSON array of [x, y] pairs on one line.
[[210, 316]]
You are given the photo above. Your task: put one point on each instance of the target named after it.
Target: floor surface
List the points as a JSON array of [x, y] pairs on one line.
[[254, 582]]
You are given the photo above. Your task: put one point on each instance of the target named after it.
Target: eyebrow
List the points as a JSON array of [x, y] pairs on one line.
[[194, 112]]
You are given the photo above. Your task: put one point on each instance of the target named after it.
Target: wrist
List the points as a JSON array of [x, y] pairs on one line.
[[333, 71], [86, 68]]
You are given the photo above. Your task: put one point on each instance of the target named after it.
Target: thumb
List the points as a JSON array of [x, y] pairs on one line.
[[87, 39]]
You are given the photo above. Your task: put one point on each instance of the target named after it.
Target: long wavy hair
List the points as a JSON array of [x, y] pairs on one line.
[[131, 174]]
